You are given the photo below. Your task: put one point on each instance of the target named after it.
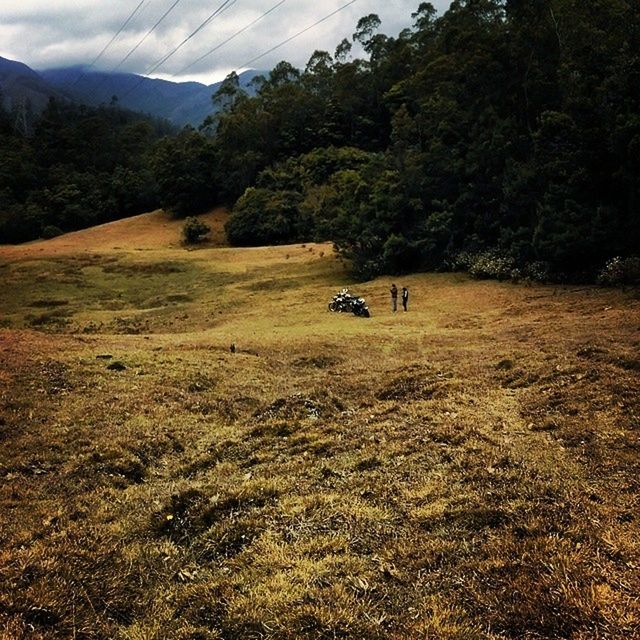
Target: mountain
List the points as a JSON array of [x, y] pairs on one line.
[[19, 82], [181, 103]]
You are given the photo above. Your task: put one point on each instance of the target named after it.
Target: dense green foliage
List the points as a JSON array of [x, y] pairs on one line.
[[79, 167], [507, 133], [194, 230], [502, 137], [183, 167]]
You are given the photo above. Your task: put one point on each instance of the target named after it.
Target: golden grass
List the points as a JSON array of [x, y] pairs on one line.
[[146, 232], [468, 470]]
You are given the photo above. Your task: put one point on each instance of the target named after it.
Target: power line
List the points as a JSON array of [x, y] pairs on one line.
[[120, 30], [235, 35], [223, 7], [107, 79], [281, 44], [146, 35], [227, 4]]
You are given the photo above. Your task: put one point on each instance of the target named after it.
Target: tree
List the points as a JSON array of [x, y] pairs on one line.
[[264, 217], [365, 30], [184, 169], [228, 93]]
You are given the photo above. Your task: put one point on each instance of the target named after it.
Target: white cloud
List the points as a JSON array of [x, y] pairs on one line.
[[46, 34]]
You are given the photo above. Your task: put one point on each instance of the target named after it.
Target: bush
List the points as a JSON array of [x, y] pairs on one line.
[[537, 271], [51, 231], [460, 262], [490, 265], [494, 266], [194, 230], [619, 271]]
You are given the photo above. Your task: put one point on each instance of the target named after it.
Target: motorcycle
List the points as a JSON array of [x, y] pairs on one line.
[[344, 302]]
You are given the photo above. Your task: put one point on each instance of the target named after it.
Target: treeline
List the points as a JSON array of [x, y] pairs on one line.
[[77, 167], [501, 136]]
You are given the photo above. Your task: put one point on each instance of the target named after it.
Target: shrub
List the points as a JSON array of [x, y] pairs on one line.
[[460, 262], [538, 271], [490, 265], [51, 231], [619, 271], [194, 230]]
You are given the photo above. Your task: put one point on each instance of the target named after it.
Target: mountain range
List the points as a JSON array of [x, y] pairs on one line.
[[181, 103], [18, 83]]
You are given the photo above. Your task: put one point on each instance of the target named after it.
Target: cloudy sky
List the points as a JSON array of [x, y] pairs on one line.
[[54, 33]]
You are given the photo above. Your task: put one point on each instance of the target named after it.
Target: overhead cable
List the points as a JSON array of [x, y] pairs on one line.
[[235, 35], [293, 37], [120, 30], [156, 65], [146, 35], [227, 4]]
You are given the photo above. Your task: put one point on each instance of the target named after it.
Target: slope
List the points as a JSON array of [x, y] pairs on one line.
[[179, 102], [155, 230], [464, 471], [19, 82]]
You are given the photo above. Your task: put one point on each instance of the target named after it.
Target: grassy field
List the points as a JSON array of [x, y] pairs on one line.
[[469, 470]]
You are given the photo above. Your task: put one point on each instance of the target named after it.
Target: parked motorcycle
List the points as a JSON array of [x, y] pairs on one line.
[[344, 302]]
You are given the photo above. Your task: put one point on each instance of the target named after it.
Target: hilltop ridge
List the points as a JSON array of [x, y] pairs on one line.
[[181, 103], [153, 230], [19, 82]]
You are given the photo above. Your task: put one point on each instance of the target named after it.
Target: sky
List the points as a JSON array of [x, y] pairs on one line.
[[46, 34]]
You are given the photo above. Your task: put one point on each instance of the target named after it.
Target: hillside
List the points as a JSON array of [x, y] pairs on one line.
[[19, 83], [144, 232], [181, 103], [464, 471]]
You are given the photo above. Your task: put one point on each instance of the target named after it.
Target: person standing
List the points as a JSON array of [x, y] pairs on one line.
[[405, 297], [394, 298]]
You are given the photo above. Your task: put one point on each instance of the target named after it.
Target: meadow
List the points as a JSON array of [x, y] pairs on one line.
[[468, 470]]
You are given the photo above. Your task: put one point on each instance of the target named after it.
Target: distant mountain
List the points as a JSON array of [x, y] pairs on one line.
[[181, 103], [19, 82]]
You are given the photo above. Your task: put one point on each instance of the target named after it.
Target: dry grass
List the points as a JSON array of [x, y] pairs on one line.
[[468, 470], [146, 232]]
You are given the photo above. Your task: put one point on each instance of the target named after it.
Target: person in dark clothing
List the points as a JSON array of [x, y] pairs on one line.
[[405, 297], [394, 297]]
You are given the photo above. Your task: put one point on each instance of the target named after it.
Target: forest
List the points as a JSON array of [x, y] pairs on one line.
[[501, 137]]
